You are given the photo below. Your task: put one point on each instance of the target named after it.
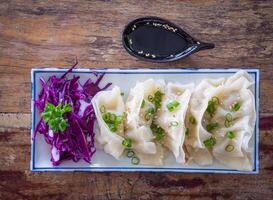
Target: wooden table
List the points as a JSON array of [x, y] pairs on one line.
[[52, 33]]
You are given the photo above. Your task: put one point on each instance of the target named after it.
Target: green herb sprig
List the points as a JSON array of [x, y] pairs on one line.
[[53, 115]]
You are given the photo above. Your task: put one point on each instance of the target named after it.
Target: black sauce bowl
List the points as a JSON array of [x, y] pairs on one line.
[[151, 24]]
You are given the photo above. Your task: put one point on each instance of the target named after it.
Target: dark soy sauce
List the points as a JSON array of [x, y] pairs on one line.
[[155, 39]]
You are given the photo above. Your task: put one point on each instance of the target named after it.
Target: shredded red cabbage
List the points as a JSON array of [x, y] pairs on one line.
[[77, 141]]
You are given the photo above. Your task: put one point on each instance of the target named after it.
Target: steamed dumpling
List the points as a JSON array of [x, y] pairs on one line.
[[225, 122], [197, 133], [140, 111], [109, 104], [172, 120], [233, 149]]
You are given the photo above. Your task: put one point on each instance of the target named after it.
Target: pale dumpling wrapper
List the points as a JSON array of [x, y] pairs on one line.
[[234, 89], [173, 122], [112, 101], [137, 127]]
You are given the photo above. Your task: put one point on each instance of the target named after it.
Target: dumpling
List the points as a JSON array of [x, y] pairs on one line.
[[171, 117], [140, 110], [196, 132], [109, 109], [225, 122], [236, 116]]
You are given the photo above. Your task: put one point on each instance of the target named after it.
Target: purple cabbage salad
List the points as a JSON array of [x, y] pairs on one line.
[[67, 116]]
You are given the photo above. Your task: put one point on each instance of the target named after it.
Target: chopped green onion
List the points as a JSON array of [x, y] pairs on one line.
[[230, 134], [127, 142], [158, 93], [102, 109], [112, 127], [157, 131], [149, 113], [158, 99], [210, 142], [227, 124], [236, 106], [187, 131], [151, 110], [172, 105], [150, 98], [122, 93], [210, 127], [130, 153], [119, 119], [113, 117], [174, 123], [211, 105], [192, 120], [229, 148], [228, 120], [135, 160], [228, 117], [112, 120], [147, 116], [215, 100], [143, 103]]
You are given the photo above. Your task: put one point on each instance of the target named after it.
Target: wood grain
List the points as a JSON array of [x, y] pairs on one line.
[[53, 33]]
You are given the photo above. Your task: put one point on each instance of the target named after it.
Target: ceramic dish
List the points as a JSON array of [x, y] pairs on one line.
[[126, 79]]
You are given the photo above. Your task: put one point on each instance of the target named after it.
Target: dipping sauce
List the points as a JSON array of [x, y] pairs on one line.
[[158, 40]]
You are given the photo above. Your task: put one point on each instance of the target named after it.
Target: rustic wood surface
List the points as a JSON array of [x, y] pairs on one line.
[[52, 33]]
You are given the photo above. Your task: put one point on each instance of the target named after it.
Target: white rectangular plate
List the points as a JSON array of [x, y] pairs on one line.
[[126, 79]]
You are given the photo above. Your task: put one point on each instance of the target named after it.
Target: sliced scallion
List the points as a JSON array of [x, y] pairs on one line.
[[143, 103], [102, 109], [192, 120], [135, 160], [212, 105], [157, 131], [112, 120], [147, 116], [215, 100], [230, 134], [158, 99], [229, 148], [236, 106], [228, 117], [210, 142], [227, 124], [113, 117], [151, 110], [127, 142], [130, 153], [150, 98], [172, 105], [210, 127]]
